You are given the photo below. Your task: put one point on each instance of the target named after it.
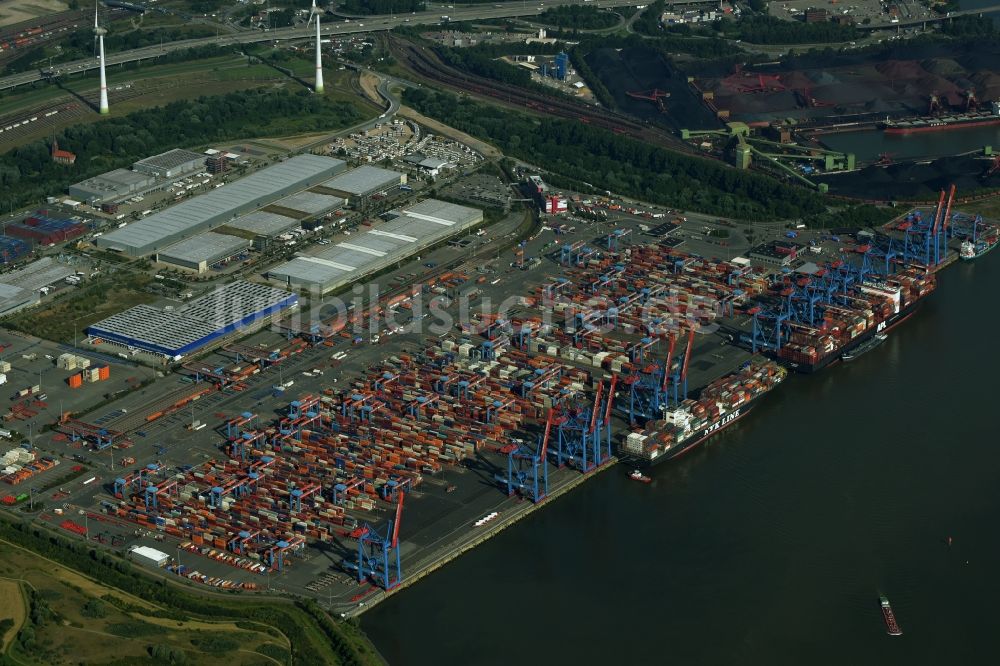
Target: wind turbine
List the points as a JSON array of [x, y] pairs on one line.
[[99, 33], [314, 16]]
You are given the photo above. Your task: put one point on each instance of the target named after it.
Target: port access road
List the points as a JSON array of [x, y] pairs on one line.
[[331, 27]]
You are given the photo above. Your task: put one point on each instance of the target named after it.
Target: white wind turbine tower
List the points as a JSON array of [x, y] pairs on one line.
[[314, 16], [99, 32]]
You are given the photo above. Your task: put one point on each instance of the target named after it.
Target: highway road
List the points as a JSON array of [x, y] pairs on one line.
[[330, 27]]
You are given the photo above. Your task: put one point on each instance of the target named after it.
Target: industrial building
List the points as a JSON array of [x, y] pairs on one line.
[[20, 289], [239, 306], [149, 555], [219, 206], [111, 186], [171, 164], [409, 232], [262, 226], [432, 166], [203, 252], [309, 204], [775, 253], [358, 185]]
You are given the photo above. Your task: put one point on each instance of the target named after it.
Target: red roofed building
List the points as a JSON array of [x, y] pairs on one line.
[[62, 156]]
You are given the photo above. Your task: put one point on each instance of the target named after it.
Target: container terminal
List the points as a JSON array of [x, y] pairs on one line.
[[311, 460]]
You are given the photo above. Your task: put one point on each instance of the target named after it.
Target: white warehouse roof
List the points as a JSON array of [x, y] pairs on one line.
[[209, 247], [221, 205], [365, 180], [413, 229]]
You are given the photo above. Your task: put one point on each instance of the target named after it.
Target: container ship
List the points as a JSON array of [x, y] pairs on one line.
[[943, 123], [718, 406], [874, 308], [970, 250]]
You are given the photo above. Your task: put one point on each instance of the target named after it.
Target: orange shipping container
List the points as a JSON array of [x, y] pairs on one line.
[[75, 381]]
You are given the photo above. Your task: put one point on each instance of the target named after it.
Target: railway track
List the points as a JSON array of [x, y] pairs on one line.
[[425, 64], [18, 38]]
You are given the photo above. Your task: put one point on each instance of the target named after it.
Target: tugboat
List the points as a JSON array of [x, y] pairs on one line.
[[891, 626], [636, 475], [865, 347]]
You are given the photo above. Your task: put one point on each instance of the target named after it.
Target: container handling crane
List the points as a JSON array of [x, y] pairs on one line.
[[378, 552], [523, 467]]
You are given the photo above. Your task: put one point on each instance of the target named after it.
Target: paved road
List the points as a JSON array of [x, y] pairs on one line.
[[329, 28]]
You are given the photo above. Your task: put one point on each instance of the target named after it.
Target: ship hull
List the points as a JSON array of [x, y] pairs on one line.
[[976, 255], [944, 127], [836, 355], [698, 436]]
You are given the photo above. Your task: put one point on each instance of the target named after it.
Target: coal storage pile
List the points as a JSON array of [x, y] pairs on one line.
[[639, 70]]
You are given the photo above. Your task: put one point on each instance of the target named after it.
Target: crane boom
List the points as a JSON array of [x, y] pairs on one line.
[[947, 208], [399, 517], [611, 399], [597, 406], [666, 365], [687, 355], [545, 439], [938, 213]]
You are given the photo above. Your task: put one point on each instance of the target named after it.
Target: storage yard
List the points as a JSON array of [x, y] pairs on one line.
[[310, 463], [284, 440]]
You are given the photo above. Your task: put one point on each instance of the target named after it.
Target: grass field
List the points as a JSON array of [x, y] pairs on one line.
[[989, 209], [64, 317], [155, 85], [83, 624], [13, 608], [15, 11]]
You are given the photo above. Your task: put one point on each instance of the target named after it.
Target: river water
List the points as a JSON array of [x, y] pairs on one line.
[[771, 544], [868, 145]]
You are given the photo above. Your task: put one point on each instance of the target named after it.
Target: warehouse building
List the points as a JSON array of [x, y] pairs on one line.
[[432, 166], [197, 325], [149, 555], [203, 252], [261, 226], [20, 289], [309, 203], [358, 185], [112, 186], [171, 164], [409, 232], [219, 206]]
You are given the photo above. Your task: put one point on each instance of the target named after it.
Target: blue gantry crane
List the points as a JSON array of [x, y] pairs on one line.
[[653, 387], [527, 470], [378, 552]]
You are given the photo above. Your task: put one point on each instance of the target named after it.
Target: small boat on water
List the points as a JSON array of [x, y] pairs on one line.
[[636, 475], [865, 347], [891, 626]]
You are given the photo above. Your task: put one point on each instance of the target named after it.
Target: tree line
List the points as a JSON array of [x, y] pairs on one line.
[[771, 30], [579, 17], [594, 158], [28, 174]]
